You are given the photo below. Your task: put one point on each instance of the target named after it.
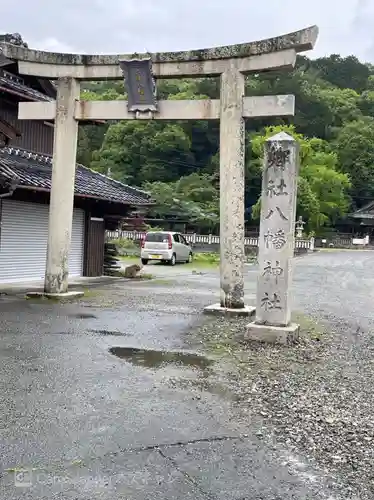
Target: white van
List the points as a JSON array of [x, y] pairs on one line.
[[165, 246]]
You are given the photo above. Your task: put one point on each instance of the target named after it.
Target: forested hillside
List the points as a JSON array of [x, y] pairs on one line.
[[179, 161]]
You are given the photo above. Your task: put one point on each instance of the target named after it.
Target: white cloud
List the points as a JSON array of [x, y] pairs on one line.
[[51, 44], [121, 26]]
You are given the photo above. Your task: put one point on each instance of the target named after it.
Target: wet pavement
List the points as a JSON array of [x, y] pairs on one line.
[[89, 410], [150, 358]]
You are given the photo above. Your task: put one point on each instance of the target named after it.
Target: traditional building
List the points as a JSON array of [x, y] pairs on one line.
[[363, 220], [26, 149]]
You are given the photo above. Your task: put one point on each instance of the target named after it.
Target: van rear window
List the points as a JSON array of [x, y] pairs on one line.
[[157, 237]]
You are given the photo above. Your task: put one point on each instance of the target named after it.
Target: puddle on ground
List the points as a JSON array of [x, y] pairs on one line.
[[114, 333], [83, 316], [159, 359]]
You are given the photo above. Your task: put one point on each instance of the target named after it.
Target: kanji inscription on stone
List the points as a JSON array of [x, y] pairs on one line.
[[273, 270], [276, 190], [271, 302], [276, 241], [277, 156], [280, 213]]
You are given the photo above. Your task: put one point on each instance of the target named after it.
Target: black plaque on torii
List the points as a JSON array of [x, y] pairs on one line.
[[140, 85]]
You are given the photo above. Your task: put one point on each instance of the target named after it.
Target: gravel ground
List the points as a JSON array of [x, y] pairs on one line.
[[315, 398]]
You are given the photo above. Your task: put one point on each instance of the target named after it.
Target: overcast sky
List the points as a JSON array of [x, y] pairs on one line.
[[125, 26]]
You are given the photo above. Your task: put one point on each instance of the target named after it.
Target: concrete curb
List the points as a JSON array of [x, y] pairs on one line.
[[17, 289]]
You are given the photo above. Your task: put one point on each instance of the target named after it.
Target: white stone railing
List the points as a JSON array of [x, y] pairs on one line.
[[205, 239]]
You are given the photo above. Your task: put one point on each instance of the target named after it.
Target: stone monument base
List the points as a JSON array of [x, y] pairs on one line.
[[55, 296], [285, 335], [217, 309]]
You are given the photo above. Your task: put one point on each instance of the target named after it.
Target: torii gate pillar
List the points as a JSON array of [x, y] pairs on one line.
[[232, 144], [62, 191], [230, 63]]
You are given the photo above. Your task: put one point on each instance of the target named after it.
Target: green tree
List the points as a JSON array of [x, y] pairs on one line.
[[322, 189], [366, 102], [193, 197], [147, 151], [355, 148], [90, 139], [344, 72]]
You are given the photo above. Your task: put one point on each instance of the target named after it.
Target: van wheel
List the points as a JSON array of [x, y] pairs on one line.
[[144, 262], [172, 260]]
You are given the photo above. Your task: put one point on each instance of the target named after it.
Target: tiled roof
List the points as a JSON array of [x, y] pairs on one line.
[[35, 170], [14, 84], [365, 212]]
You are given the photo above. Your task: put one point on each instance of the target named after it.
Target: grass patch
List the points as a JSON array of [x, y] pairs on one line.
[[145, 276], [246, 363], [208, 258], [309, 328], [89, 292], [126, 247], [204, 260], [161, 281], [336, 249], [200, 260], [128, 258], [224, 337]]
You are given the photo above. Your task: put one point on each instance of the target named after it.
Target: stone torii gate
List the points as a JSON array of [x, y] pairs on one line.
[[230, 63]]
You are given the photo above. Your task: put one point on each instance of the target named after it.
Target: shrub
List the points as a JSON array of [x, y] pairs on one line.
[[207, 257], [126, 247]]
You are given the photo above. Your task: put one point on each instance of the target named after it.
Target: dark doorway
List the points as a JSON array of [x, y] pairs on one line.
[[95, 247]]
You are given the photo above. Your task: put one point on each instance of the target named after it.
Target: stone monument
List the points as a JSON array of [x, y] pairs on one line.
[[230, 63], [276, 242]]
